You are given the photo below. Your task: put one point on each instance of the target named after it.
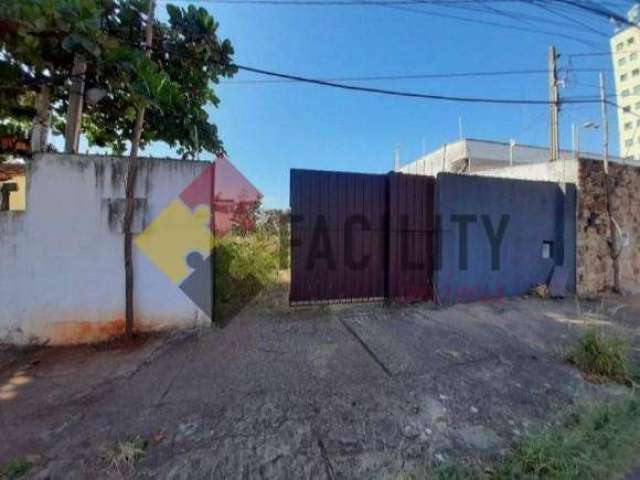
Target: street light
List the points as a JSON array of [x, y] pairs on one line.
[[576, 135]]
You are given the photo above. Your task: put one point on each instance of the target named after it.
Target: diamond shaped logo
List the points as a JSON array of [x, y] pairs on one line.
[[181, 240]]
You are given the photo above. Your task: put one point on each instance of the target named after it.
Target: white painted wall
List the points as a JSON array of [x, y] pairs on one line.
[[563, 171], [488, 155], [62, 274]]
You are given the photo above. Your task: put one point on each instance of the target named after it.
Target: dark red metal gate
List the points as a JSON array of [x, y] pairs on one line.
[[359, 237], [411, 237]]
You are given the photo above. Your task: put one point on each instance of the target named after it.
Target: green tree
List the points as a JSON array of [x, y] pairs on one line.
[[143, 68], [38, 42], [192, 56]]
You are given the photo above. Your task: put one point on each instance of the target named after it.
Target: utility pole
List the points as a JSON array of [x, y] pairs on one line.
[[74, 111], [605, 124], [554, 98]]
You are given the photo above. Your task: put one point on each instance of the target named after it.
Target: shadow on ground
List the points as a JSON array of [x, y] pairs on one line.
[[330, 392]]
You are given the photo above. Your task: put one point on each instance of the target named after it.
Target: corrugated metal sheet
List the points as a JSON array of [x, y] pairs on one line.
[[345, 245]]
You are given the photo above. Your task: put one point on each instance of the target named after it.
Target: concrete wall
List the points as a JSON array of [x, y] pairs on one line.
[[595, 266], [565, 171], [62, 276], [536, 212], [594, 263], [477, 156]]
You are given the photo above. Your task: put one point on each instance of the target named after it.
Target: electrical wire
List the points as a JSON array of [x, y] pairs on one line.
[[398, 93], [377, 78]]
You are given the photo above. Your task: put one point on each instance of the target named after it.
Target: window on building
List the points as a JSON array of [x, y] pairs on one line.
[[631, 41], [626, 109], [619, 46], [635, 72], [637, 105], [622, 61], [636, 90], [628, 142], [633, 56], [625, 93], [623, 77], [628, 125]]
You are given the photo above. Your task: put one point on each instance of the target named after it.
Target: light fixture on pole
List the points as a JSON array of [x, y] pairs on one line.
[[586, 126]]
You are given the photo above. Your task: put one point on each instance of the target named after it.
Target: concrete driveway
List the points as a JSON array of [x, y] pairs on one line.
[[327, 392]]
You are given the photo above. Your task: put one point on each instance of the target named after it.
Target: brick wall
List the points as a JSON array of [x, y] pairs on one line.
[[594, 264]]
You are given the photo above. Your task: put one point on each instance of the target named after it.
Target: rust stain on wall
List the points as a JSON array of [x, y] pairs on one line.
[[76, 328], [72, 332]]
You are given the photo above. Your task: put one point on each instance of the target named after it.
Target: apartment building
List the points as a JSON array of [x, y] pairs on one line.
[[625, 49]]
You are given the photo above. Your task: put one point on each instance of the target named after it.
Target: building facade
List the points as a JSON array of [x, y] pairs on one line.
[[474, 156], [625, 52]]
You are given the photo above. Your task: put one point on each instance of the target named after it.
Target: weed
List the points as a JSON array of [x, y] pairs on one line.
[[123, 456], [592, 442], [15, 468], [602, 356]]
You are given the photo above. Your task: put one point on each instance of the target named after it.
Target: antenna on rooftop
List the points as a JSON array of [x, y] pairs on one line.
[[396, 163]]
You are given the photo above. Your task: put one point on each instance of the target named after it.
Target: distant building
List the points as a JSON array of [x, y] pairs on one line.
[[475, 156], [13, 186], [625, 51]]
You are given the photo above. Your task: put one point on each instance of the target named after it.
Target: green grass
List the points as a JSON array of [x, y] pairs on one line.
[[590, 443], [602, 356], [14, 469]]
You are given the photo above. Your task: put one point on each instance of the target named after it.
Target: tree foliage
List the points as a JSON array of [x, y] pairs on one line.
[[39, 39]]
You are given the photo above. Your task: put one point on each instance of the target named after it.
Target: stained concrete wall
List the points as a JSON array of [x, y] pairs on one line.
[[536, 212], [62, 274]]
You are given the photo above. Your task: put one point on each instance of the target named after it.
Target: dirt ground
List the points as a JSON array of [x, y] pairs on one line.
[[332, 392]]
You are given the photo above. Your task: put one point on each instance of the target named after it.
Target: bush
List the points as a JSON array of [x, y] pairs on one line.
[[602, 356], [244, 265]]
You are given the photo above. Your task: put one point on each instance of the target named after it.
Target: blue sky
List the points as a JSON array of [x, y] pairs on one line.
[[269, 128]]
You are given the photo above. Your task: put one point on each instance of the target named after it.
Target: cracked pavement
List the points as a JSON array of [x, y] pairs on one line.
[[330, 392]]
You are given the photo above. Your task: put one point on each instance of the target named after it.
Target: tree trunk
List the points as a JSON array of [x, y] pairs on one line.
[[132, 174], [40, 126], [74, 111]]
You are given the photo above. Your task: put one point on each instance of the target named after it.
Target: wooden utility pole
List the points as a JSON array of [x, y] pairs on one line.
[[614, 249], [132, 174], [76, 99], [554, 98]]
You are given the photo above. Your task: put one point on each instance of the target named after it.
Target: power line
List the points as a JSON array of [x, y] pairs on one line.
[[490, 23], [405, 5], [376, 78], [315, 81]]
